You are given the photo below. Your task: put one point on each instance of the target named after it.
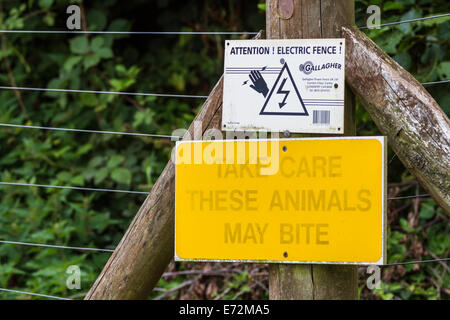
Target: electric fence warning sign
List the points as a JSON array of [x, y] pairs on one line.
[[284, 85]]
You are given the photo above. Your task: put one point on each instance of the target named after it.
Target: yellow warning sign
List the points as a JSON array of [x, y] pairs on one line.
[[312, 200]]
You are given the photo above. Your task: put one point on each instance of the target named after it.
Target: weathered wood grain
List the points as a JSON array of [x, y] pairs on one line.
[[417, 128], [313, 19], [147, 247]]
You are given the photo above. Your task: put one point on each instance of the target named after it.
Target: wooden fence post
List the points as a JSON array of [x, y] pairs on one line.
[[297, 19]]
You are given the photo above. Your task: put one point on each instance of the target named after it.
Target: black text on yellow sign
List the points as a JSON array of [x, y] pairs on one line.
[[296, 200]]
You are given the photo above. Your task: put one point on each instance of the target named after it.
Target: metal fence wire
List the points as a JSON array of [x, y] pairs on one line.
[[152, 135]]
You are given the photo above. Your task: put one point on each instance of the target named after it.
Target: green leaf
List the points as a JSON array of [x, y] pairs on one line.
[[120, 68], [89, 99], [391, 5], [388, 42], [121, 84], [101, 221], [403, 59], [395, 287], [119, 25], [49, 19], [444, 70], [406, 28], [114, 161], [427, 210], [105, 53], [439, 243], [96, 161], [64, 176], [405, 294], [90, 61], [387, 296], [405, 225], [6, 52], [121, 175], [71, 62], [444, 31], [178, 81], [101, 175], [8, 268], [435, 21], [97, 43], [45, 4], [85, 148], [79, 45], [78, 180]]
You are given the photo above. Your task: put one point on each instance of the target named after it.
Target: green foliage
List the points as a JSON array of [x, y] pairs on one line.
[[183, 64], [422, 47], [420, 236]]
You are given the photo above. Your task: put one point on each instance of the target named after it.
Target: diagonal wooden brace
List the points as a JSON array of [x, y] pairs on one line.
[[147, 247], [417, 128]]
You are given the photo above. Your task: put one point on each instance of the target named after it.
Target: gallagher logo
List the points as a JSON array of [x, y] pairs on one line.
[[308, 67]]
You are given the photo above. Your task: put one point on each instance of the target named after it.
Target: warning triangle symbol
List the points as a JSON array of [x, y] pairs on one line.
[[284, 98]]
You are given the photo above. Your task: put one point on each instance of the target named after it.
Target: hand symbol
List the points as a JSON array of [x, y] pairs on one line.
[[259, 85]]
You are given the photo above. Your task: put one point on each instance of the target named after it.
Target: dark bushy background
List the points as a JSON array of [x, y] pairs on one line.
[[181, 64]]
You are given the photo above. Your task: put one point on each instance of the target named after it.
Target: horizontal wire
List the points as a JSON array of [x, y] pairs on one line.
[[435, 82], [132, 32], [406, 21], [71, 188], [139, 192], [111, 250], [90, 131], [62, 298], [167, 95], [54, 246], [192, 32], [410, 197], [415, 262], [34, 294]]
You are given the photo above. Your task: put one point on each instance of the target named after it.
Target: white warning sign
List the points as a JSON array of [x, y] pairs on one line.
[[279, 85]]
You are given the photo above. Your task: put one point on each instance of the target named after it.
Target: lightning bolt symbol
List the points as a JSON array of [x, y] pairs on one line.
[[245, 82], [285, 92]]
